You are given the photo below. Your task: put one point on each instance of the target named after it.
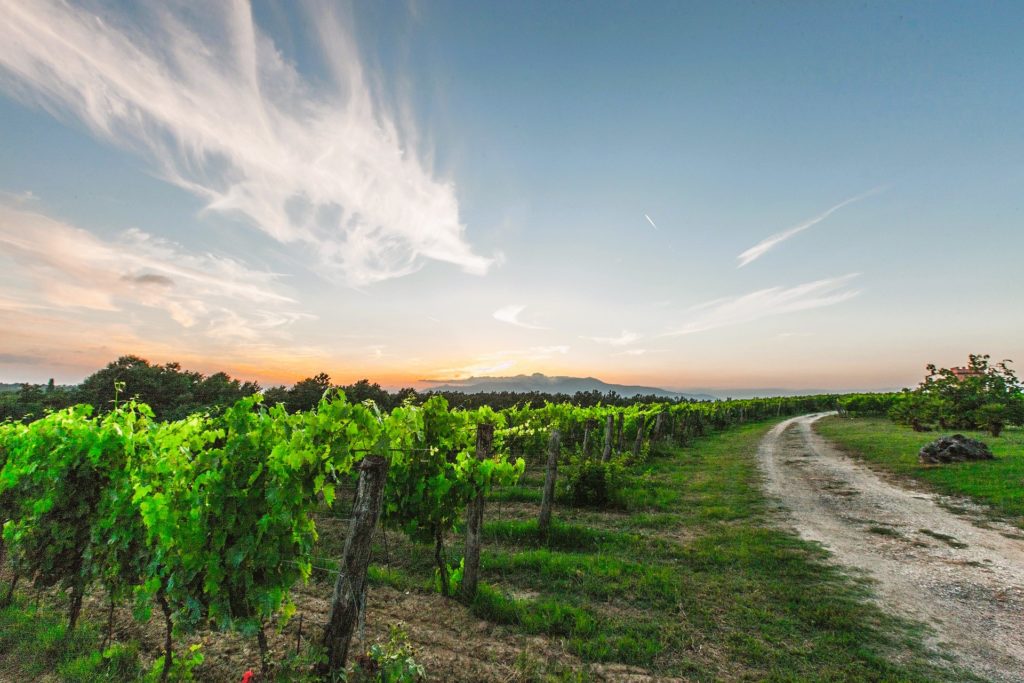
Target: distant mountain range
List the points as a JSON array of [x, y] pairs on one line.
[[555, 385]]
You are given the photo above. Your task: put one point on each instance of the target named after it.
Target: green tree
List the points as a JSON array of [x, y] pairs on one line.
[[982, 395]]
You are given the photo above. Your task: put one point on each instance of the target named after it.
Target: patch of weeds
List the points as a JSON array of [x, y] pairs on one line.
[[597, 577], [538, 670], [541, 616], [560, 535], [35, 645], [392, 576]]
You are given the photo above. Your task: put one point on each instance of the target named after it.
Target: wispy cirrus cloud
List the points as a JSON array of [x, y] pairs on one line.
[[53, 266], [767, 244], [205, 96], [510, 314], [765, 303], [624, 339]]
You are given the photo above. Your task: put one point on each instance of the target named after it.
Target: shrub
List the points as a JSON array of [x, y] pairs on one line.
[[982, 395], [593, 482], [393, 661]]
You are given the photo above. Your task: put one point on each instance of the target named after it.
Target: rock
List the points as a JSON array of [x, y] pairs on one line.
[[956, 448]]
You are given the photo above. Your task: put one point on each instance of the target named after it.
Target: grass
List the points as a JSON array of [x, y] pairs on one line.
[[690, 578], [997, 483], [34, 646]]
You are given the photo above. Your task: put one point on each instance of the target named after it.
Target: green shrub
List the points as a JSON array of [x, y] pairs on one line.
[[393, 661], [593, 482], [982, 395]]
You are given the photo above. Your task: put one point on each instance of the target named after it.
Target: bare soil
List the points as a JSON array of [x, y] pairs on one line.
[[961, 573]]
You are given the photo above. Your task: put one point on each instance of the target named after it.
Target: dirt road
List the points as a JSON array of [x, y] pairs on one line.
[[960, 573]]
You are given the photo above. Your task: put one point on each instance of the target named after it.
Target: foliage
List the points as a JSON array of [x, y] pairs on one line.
[[182, 668], [867, 405], [435, 472], [983, 395], [393, 661], [171, 392], [593, 482], [61, 483]]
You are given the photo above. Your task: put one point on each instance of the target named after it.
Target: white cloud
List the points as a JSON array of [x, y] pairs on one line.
[[206, 97], [766, 245], [624, 339], [58, 267], [510, 315], [649, 220], [765, 303]]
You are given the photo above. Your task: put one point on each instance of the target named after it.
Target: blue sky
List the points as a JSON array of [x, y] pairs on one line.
[[426, 190]]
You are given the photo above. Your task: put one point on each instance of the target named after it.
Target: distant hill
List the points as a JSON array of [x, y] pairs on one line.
[[556, 385], [9, 388]]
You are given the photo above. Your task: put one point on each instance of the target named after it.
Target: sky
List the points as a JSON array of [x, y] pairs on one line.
[[684, 195]]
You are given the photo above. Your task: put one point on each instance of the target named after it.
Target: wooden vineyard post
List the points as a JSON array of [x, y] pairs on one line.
[[638, 444], [350, 587], [659, 427], [609, 424], [588, 427], [621, 438], [548, 498], [475, 519]]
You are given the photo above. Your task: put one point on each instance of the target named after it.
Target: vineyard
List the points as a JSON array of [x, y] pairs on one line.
[[211, 519]]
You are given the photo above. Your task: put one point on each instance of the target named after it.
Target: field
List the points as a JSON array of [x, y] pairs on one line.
[[688, 576], [997, 483]]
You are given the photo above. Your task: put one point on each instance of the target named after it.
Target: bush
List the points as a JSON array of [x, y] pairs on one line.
[[593, 482], [979, 396], [393, 661]]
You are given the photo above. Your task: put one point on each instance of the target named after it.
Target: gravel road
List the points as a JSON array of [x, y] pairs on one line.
[[959, 572]]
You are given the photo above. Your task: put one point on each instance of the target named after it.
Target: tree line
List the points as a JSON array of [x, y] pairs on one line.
[[173, 392]]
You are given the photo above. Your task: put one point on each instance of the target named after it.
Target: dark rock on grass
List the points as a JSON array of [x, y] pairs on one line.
[[956, 448]]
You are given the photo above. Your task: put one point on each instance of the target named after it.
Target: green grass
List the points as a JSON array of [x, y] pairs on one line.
[[997, 483], [34, 646]]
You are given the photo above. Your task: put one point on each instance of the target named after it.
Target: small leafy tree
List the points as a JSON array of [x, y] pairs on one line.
[[983, 395]]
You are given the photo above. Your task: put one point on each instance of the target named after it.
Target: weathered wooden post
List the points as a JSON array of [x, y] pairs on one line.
[[609, 424], [475, 519], [588, 427], [659, 428], [638, 444], [548, 498], [350, 587]]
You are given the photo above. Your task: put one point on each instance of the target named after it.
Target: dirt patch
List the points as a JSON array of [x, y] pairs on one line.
[[969, 587]]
